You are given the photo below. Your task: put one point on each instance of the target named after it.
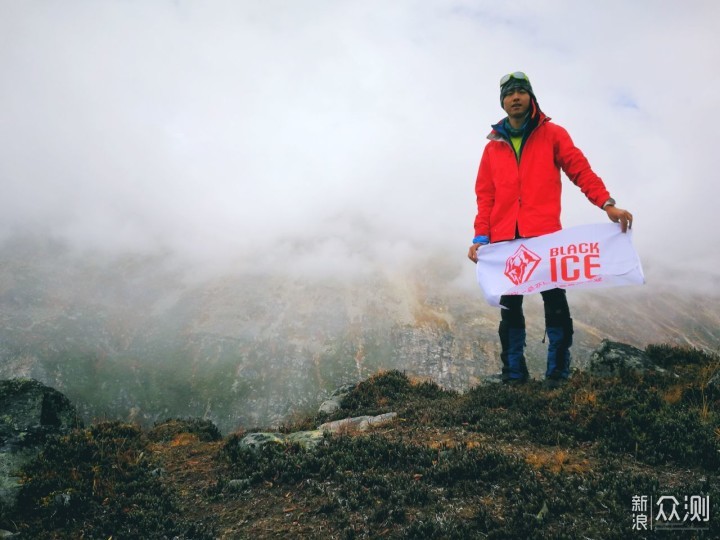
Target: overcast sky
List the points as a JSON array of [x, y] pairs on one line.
[[345, 132]]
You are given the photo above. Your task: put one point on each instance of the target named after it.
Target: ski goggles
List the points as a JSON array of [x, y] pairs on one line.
[[515, 75]]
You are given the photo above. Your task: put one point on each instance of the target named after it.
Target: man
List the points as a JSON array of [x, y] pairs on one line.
[[518, 196]]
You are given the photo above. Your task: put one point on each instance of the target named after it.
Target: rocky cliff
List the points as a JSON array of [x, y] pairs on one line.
[[138, 338]]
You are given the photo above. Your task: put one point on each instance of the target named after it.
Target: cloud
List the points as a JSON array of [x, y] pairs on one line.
[[226, 130]]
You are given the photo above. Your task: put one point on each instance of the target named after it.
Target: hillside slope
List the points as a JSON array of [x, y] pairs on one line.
[[135, 338], [493, 462]]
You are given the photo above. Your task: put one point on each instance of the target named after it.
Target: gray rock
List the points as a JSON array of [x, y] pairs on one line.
[[333, 403], [344, 424], [306, 439], [312, 438], [30, 412], [256, 441], [11, 461], [29, 407], [612, 359], [359, 423]]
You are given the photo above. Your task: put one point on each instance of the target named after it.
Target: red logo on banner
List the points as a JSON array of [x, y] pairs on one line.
[[520, 266]]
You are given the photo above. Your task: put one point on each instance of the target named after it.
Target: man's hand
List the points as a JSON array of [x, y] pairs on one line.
[[618, 215], [472, 252]]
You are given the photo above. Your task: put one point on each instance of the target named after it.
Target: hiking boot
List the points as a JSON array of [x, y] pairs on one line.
[[558, 359], [512, 341]]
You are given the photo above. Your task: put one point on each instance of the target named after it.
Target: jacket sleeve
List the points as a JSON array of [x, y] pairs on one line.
[[485, 193], [577, 168]]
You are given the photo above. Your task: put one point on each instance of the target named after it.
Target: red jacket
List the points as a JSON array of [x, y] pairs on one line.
[[526, 195]]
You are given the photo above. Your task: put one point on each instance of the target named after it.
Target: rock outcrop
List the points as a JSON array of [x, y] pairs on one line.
[[30, 412], [333, 403], [358, 423], [612, 359], [310, 439]]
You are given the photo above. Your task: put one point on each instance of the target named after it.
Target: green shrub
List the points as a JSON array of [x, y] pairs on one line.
[[99, 481], [167, 430], [668, 356], [387, 390]]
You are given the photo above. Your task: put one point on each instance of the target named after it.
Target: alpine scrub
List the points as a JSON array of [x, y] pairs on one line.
[[497, 461]]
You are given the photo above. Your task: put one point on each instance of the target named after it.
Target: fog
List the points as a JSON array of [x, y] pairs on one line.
[[332, 138]]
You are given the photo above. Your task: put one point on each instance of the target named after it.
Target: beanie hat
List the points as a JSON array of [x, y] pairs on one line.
[[514, 81]]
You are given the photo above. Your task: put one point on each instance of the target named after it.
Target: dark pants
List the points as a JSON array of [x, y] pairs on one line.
[[559, 330], [557, 311]]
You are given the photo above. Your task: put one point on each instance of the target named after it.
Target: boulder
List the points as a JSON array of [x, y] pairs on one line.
[[255, 441], [334, 402], [306, 439], [358, 423], [330, 405], [612, 359], [30, 412], [312, 438]]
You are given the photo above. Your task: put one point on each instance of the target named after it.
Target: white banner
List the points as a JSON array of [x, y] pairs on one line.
[[579, 257]]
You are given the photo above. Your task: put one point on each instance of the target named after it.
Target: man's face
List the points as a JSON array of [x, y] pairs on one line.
[[517, 103]]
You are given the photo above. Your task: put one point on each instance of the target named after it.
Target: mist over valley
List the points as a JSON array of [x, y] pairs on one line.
[[140, 338]]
